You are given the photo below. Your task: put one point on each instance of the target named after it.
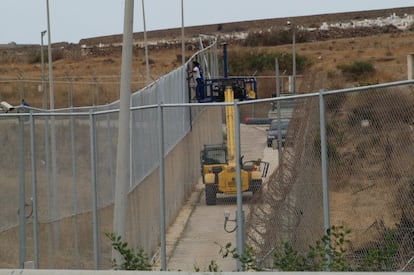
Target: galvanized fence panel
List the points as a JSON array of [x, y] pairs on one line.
[[75, 166], [368, 141]]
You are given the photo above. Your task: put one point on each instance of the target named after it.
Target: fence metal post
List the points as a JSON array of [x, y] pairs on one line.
[[123, 176], [324, 159], [111, 155], [74, 186], [22, 196], [239, 213], [34, 191], [95, 220], [162, 185], [49, 188]]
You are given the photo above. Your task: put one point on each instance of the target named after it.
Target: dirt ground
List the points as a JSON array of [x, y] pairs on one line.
[[388, 52]]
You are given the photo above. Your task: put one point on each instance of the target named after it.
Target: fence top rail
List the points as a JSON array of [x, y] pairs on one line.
[[95, 111], [370, 87], [137, 272]]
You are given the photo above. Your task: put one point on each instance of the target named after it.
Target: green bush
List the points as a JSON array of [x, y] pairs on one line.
[[332, 246], [132, 260], [275, 37], [381, 258], [329, 253], [256, 61], [357, 69]]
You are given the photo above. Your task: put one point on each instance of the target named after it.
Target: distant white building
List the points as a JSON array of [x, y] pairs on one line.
[[401, 23]]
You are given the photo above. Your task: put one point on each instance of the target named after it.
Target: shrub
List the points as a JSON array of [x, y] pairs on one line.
[[36, 57], [132, 260], [275, 37], [329, 253], [333, 245], [255, 61], [357, 69]]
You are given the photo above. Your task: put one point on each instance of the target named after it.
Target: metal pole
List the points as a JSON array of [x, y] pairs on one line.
[[70, 99], [294, 59], [279, 123], [44, 106], [21, 88], [46, 137], [49, 188], [123, 156], [225, 69], [53, 133], [34, 191], [111, 157], [95, 218], [182, 34], [75, 188], [50, 61], [162, 187], [145, 44], [239, 212], [42, 58], [324, 159], [22, 197]]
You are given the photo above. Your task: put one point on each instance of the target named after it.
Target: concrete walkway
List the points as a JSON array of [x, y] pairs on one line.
[[195, 238]]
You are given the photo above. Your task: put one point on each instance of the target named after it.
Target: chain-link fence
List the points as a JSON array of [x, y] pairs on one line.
[[58, 171], [364, 183]]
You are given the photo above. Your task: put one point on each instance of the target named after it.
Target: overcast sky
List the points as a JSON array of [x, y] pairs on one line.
[[22, 21]]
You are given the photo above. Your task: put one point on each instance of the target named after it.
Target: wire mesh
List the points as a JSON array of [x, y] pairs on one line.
[[369, 138]]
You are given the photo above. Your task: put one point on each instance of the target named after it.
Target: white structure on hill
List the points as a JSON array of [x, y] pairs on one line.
[[401, 23]]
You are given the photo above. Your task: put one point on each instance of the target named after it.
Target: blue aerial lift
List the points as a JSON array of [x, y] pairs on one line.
[[244, 88]]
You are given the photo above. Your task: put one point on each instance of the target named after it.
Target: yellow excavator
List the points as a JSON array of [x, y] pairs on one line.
[[218, 163]]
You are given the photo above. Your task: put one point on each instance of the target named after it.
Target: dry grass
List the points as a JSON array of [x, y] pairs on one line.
[[100, 75]]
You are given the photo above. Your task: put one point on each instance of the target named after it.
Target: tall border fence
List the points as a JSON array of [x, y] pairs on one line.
[[59, 176], [345, 164], [346, 160]]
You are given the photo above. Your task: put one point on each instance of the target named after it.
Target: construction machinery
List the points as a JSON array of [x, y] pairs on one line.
[[244, 88], [218, 163]]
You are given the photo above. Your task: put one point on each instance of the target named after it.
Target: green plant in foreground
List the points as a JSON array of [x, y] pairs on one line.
[[212, 267], [248, 260], [328, 253], [331, 246], [132, 260], [381, 259]]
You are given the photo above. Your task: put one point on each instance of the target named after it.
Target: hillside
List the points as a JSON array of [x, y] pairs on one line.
[[98, 69], [251, 26]]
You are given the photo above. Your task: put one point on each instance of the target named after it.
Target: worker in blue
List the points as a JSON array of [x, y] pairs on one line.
[[24, 103], [24, 109], [197, 74]]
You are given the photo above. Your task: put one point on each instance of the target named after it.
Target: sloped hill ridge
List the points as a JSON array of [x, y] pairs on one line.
[[251, 26]]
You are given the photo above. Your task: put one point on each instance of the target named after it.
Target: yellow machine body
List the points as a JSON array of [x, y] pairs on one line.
[[218, 163]]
